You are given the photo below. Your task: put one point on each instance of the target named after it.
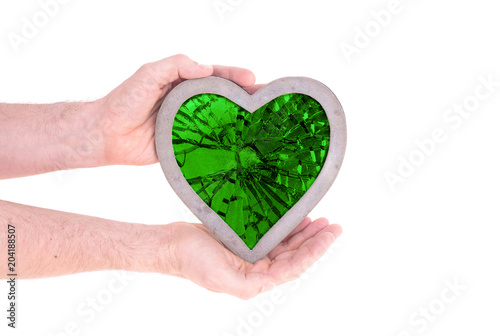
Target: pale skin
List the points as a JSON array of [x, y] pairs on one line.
[[119, 129]]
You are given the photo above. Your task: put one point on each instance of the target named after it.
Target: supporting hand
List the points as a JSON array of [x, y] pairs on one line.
[[198, 256]]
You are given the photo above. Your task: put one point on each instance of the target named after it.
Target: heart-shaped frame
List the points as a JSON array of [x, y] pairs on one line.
[[238, 95]]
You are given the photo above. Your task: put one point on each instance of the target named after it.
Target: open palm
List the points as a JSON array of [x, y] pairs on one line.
[[201, 258]]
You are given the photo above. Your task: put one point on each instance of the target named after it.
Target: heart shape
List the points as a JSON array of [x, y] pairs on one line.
[[251, 167]]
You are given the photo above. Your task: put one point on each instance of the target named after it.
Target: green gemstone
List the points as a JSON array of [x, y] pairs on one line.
[[250, 168]]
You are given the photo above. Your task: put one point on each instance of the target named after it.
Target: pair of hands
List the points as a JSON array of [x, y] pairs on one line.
[[127, 117]]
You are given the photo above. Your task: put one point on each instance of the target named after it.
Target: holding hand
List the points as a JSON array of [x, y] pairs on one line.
[[127, 115]]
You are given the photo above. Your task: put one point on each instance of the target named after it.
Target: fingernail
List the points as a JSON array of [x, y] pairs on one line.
[[205, 66], [268, 286]]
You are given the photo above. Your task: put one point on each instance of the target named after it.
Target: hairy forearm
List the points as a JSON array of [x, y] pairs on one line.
[[52, 243], [37, 139]]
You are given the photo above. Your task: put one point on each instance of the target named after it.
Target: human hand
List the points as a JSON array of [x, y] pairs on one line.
[[116, 129], [197, 255], [65, 243], [127, 115]]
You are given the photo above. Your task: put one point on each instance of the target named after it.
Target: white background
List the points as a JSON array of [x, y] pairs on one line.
[[400, 247]]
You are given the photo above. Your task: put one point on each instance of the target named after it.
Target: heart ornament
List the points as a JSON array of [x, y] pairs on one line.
[[251, 167]]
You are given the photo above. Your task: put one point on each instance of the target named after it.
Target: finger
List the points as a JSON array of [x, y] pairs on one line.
[[177, 82], [311, 251], [281, 246], [300, 237], [253, 88], [304, 257], [250, 89], [305, 222], [261, 266], [240, 76], [335, 229], [161, 73], [309, 231]]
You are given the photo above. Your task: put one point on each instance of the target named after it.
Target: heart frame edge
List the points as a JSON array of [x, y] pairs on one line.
[[251, 102]]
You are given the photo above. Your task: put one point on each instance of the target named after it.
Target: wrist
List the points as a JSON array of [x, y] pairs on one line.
[[81, 137], [148, 248]]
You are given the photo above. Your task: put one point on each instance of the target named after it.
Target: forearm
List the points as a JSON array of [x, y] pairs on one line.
[[52, 243], [37, 139]]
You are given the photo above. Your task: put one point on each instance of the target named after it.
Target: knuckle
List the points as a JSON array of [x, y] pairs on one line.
[[181, 58], [146, 67]]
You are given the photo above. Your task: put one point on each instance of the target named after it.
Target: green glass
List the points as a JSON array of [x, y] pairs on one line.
[[250, 168]]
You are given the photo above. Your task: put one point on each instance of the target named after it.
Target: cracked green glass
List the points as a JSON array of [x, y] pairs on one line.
[[250, 168]]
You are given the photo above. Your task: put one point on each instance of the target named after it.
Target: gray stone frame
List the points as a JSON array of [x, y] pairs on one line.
[[232, 91]]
